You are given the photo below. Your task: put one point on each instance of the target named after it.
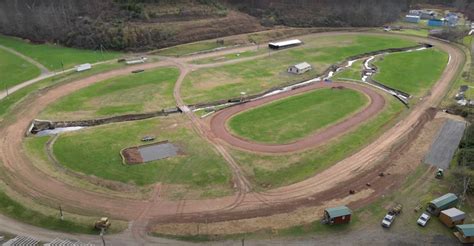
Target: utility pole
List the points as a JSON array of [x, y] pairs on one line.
[[102, 231]]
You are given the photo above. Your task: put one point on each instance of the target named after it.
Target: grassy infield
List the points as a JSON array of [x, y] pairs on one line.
[[73, 148]]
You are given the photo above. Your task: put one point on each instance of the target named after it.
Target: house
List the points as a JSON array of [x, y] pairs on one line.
[[285, 44], [412, 18], [435, 22], [452, 217], [442, 203], [465, 233], [452, 20], [300, 68], [337, 215]]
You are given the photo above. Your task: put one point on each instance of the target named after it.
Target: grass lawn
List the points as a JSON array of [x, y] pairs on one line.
[[275, 171], [134, 93], [415, 32], [15, 99], [95, 151], [425, 68], [293, 118], [257, 75], [352, 73], [14, 70], [51, 56]]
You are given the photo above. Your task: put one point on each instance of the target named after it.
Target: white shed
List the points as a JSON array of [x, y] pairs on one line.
[[300, 68], [83, 67]]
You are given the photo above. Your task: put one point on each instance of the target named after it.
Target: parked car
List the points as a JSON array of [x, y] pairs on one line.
[[388, 220], [148, 139], [423, 220]]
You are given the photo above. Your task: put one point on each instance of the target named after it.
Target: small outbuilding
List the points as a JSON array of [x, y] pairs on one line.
[[300, 68], [285, 44], [442, 203], [337, 215], [465, 233], [452, 217], [412, 18], [435, 22]]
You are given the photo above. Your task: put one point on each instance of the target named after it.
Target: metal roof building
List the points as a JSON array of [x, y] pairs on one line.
[[444, 202], [284, 44], [300, 68], [465, 233], [337, 215], [452, 217]]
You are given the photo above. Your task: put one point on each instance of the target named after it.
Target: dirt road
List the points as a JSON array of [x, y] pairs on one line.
[[25, 178]]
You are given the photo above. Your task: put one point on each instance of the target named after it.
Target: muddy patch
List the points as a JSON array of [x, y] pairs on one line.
[[150, 152]]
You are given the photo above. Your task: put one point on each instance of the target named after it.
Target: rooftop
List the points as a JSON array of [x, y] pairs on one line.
[[453, 212], [338, 211], [445, 199], [287, 42], [467, 230], [302, 65]]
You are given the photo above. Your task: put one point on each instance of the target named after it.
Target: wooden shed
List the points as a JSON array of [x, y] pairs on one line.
[[441, 203], [452, 217], [465, 233], [337, 215]]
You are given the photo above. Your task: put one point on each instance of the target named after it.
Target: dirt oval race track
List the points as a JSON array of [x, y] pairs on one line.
[[23, 177], [220, 129]]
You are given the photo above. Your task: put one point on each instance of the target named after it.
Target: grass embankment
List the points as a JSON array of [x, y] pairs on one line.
[[95, 151], [134, 93], [263, 73], [411, 72], [230, 57], [15, 99], [293, 118], [275, 171], [14, 70], [54, 56], [187, 49]]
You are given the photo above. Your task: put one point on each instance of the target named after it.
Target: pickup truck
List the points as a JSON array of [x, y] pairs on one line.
[[388, 220]]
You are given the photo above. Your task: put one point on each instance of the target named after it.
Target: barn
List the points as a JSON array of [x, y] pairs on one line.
[[285, 44], [444, 202], [337, 215], [300, 68], [452, 217], [412, 18], [465, 233]]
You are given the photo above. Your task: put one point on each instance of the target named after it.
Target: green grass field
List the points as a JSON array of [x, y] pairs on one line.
[[276, 171], [14, 70], [54, 56], [232, 56], [293, 118], [13, 101], [96, 151], [257, 75], [134, 93], [352, 73], [425, 68]]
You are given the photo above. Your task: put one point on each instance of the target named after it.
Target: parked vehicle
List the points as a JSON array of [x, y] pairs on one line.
[[148, 139], [423, 220], [388, 220], [439, 173]]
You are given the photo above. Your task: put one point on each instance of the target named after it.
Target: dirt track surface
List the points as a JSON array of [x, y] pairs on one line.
[[23, 177], [220, 129]]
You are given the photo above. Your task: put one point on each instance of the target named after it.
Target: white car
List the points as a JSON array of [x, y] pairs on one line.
[[388, 220], [423, 220]]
